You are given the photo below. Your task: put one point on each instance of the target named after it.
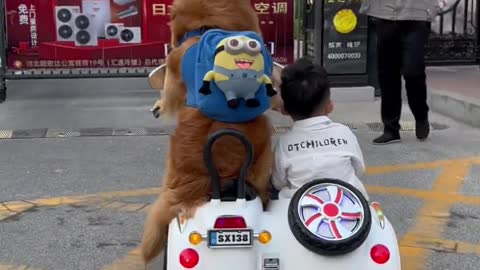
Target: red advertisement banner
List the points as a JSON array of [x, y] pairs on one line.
[[115, 33]]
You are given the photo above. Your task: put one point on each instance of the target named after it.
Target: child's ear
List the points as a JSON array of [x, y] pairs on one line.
[[276, 104], [329, 107]]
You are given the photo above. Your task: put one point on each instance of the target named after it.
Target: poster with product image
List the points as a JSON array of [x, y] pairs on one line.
[[70, 34]]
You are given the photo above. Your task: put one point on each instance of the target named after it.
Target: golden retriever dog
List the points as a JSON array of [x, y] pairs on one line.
[[186, 183]]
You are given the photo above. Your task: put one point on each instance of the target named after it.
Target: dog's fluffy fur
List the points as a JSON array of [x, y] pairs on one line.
[[186, 183]]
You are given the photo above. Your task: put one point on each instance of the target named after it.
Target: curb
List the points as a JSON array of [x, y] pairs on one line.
[[458, 107]]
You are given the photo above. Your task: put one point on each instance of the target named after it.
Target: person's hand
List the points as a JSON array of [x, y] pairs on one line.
[[277, 104]]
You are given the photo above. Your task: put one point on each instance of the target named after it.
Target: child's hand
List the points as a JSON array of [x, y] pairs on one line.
[[277, 104]]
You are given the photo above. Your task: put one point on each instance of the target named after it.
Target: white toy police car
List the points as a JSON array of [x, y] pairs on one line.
[[327, 224]]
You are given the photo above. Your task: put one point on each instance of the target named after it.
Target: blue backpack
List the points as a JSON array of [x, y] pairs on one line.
[[227, 75]]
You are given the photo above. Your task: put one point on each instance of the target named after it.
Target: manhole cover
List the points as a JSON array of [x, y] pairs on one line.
[[158, 131], [62, 133], [129, 132], [6, 134], [29, 133], [93, 132]]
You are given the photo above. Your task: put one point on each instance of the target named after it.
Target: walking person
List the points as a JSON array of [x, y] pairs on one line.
[[402, 28]]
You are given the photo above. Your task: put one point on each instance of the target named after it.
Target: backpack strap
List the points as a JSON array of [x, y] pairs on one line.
[[195, 32]]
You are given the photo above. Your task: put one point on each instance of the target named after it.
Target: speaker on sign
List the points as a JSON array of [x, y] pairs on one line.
[[85, 32], [64, 22], [130, 35], [112, 30]]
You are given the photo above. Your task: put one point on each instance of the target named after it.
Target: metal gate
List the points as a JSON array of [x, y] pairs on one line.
[[455, 36]]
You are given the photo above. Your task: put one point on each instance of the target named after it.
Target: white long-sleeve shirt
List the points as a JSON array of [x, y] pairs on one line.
[[317, 148]]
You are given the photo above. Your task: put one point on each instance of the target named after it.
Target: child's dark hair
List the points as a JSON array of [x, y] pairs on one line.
[[304, 88]]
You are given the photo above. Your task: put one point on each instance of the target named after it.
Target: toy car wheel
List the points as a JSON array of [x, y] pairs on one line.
[[329, 217]]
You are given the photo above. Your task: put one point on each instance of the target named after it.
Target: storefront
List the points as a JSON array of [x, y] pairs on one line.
[[105, 38], [119, 38]]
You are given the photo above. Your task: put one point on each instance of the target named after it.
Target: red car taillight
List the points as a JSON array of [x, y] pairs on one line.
[[189, 258], [230, 222], [380, 254]]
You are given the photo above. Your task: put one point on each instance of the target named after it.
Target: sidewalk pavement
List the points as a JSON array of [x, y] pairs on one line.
[[428, 188], [455, 92]]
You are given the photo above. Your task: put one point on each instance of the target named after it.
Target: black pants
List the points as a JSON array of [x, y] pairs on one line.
[[401, 51], [373, 56]]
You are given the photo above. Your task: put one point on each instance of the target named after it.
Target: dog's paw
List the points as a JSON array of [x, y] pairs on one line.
[[157, 108]]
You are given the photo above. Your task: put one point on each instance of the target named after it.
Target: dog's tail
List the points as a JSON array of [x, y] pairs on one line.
[[156, 228]]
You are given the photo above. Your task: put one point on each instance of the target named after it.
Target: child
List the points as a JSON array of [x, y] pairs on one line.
[[316, 147]]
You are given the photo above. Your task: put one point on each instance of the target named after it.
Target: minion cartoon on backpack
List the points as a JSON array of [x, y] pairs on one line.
[[238, 71]]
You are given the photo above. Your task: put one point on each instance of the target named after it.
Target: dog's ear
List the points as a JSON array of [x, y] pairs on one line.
[[156, 78]]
